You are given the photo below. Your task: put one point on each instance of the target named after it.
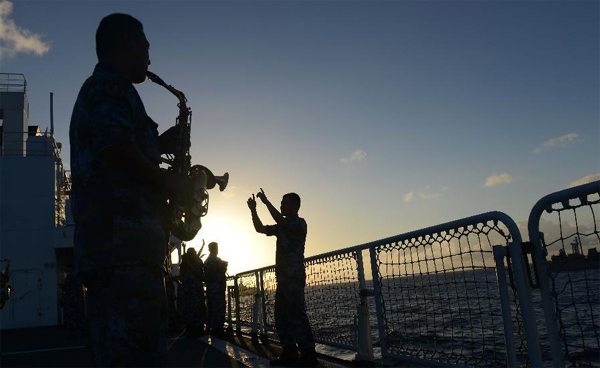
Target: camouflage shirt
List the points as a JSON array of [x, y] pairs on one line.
[[289, 257], [215, 269], [117, 220]]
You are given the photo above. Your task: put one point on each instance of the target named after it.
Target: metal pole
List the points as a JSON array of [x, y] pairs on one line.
[[229, 297], [525, 301], [263, 315], [255, 308], [52, 114], [511, 353], [378, 300], [539, 258], [238, 326], [364, 344]]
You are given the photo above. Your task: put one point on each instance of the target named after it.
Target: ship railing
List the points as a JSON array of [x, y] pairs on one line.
[[434, 292], [456, 295], [562, 226], [463, 293]]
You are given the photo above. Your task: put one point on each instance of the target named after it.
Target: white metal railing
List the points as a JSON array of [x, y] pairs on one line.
[[457, 294], [561, 225], [445, 295]]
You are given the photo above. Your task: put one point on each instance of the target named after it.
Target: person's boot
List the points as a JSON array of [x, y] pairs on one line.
[[308, 358], [288, 358]]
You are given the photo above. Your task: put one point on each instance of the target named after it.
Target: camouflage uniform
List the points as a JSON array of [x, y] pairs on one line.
[[216, 281], [72, 301], [120, 243], [191, 294], [291, 321]]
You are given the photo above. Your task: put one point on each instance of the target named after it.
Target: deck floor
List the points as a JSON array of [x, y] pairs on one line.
[[53, 347]]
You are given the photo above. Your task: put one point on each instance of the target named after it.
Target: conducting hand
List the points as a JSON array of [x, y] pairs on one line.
[[252, 202], [262, 196]]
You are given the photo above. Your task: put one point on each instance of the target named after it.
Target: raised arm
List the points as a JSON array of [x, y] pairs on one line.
[[258, 225], [277, 216]]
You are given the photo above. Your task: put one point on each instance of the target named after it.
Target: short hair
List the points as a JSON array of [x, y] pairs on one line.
[[295, 198], [111, 30], [212, 246]]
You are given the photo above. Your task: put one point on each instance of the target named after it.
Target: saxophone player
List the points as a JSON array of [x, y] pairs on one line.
[[118, 195]]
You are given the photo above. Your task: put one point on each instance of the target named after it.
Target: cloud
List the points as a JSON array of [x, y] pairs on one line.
[[408, 196], [358, 155], [230, 192], [425, 194], [561, 142], [14, 40], [585, 180], [496, 179]]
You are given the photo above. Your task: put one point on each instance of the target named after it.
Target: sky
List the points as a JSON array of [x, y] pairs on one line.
[[384, 116]]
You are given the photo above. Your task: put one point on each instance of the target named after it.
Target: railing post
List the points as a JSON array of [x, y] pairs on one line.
[[230, 289], [378, 300], [263, 315], [238, 325], [525, 302], [511, 353], [364, 345], [256, 307], [539, 259]]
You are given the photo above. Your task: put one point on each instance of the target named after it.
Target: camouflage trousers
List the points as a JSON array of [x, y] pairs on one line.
[[215, 302], [193, 306], [291, 321], [127, 316]]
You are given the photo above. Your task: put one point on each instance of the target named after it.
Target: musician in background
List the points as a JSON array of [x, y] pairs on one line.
[[215, 270], [118, 194], [291, 321]]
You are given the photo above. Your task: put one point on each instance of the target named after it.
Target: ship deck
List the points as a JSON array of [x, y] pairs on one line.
[[53, 347]]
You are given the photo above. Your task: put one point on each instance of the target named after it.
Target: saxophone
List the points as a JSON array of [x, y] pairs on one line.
[[184, 221]]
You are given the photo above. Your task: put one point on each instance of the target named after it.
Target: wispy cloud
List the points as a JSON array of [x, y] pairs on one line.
[[357, 155], [585, 180], [561, 142], [230, 191], [429, 194], [408, 196], [425, 194], [495, 179], [14, 40]]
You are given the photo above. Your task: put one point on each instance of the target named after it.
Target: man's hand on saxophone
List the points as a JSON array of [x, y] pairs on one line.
[[170, 139], [178, 186]]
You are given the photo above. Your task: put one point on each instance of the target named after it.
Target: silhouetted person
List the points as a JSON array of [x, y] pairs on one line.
[[191, 293], [118, 195], [291, 321], [215, 270]]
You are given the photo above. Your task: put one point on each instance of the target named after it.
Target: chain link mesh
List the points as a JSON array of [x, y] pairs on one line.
[[332, 295], [230, 300], [571, 236], [269, 288], [441, 299], [247, 290]]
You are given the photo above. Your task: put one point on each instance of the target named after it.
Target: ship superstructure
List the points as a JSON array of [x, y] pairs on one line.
[[36, 233]]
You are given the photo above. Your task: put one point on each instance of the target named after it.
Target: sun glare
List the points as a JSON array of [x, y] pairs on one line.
[[239, 244]]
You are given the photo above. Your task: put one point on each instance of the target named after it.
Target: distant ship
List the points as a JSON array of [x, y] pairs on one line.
[[575, 261]]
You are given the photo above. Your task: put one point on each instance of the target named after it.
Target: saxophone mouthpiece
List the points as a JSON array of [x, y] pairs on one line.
[[155, 78]]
